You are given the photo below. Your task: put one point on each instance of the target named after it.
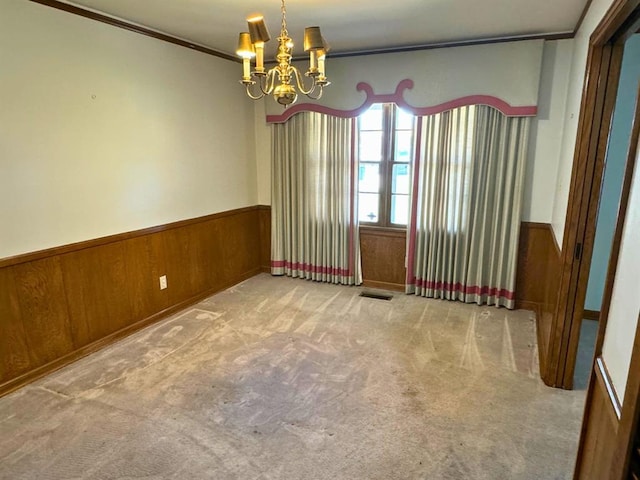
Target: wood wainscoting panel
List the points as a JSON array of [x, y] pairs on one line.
[[537, 280], [264, 212], [383, 257], [533, 252], [43, 309], [144, 263], [600, 428], [198, 246], [548, 308], [98, 292], [14, 350], [60, 304], [239, 243]]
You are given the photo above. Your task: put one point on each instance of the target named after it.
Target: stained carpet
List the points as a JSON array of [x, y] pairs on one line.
[[281, 378]]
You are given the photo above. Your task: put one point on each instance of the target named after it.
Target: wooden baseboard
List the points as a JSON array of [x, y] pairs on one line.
[[527, 305], [591, 314], [19, 382]]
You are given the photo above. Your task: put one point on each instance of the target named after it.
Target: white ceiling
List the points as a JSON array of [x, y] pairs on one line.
[[349, 26]]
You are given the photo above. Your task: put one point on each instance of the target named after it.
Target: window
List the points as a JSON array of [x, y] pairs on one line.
[[386, 137]]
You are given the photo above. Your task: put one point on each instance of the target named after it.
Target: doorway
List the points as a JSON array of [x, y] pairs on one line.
[[603, 69], [610, 191]]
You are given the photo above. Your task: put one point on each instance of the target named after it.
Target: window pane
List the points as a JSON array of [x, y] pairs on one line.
[[372, 118], [368, 204], [404, 120], [370, 146], [369, 177], [400, 179], [404, 146], [400, 209]]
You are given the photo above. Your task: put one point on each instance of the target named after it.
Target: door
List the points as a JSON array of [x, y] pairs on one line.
[[611, 408]]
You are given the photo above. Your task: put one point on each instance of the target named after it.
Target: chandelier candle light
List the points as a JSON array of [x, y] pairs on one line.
[[251, 45]]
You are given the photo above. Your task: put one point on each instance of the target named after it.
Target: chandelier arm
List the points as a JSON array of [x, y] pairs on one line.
[[269, 82], [251, 95], [313, 97], [263, 84], [300, 83]]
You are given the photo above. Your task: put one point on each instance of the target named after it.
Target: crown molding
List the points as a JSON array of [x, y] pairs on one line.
[[132, 27], [455, 43], [142, 30]]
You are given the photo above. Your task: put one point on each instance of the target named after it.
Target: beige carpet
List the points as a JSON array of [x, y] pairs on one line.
[[281, 378]]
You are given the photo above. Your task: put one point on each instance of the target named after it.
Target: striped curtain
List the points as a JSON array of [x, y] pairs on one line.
[[314, 232], [465, 221]]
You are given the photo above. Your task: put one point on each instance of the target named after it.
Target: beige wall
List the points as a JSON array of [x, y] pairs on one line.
[[104, 131], [576, 81], [509, 70], [546, 132], [263, 153]]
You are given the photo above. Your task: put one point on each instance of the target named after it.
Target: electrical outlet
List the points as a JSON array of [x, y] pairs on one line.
[[163, 282]]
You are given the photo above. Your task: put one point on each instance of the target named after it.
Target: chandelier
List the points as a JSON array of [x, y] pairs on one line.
[[284, 80]]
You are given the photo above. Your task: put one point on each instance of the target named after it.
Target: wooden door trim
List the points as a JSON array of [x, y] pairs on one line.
[[596, 111], [588, 218], [630, 410]]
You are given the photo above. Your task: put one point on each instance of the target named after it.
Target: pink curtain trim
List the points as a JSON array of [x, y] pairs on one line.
[[352, 248], [305, 267], [466, 289], [398, 99], [414, 203]]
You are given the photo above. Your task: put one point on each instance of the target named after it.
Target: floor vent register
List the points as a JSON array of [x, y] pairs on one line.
[[376, 295]]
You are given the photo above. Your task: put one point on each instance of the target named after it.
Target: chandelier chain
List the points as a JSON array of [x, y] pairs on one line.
[[283, 31]]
